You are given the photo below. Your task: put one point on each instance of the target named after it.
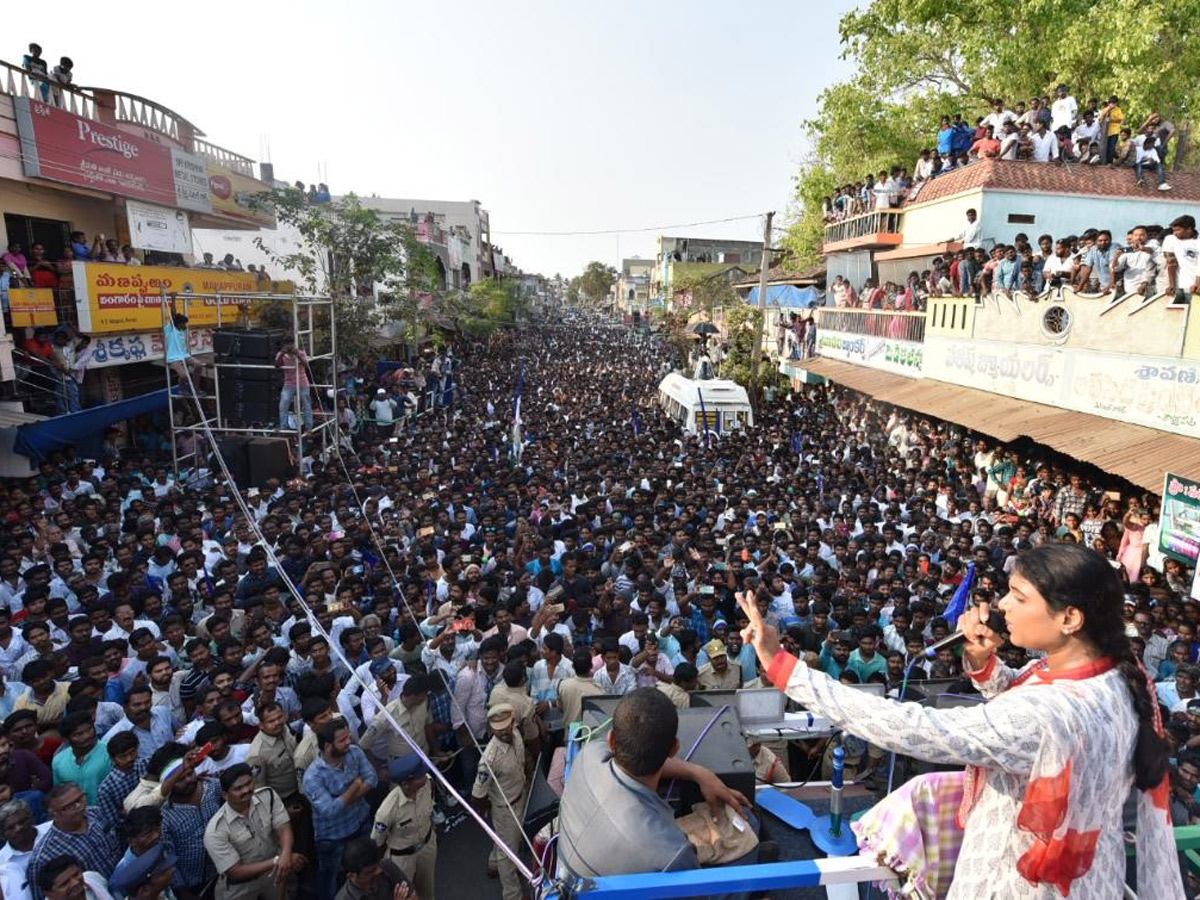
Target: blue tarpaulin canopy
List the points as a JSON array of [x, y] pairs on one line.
[[789, 296], [84, 430]]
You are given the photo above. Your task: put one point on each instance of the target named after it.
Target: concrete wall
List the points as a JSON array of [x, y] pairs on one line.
[[83, 213], [1063, 214], [940, 220]]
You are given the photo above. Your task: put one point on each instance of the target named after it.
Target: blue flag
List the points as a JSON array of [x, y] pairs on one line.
[[637, 423], [958, 604]]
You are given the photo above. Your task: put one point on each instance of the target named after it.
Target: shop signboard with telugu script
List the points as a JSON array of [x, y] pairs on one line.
[[1179, 521], [111, 297], [61, 146], [118, 349]]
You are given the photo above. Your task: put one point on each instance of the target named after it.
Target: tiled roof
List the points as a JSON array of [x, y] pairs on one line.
[[1052, 178], [780, 275]]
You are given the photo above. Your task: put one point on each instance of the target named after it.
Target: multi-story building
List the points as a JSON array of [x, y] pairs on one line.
[[459, 232], [633, 284], [699, 255], [1110, 378], [85, 166]]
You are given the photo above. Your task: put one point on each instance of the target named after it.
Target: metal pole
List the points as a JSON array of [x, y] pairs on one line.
[[296, 394], [162, 299], [333, 369], [762, 310]]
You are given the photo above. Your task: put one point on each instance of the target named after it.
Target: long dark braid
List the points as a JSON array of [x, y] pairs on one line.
[[1072, 575]]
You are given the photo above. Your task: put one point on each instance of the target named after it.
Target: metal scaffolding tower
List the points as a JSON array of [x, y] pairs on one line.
[[314, 333]]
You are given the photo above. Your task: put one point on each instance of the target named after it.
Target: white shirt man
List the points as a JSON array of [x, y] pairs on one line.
[[970, 234], [1086, 131], [1063, 112], [1008, 144], [1045, 146], [1187, 255], [1058, 267], [1137, 262], [998, 118], [383, 409]]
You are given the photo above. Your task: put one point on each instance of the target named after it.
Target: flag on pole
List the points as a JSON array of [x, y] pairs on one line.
[[704, 416], [516, 425], [958, 604], [821, 486], [637, 423]]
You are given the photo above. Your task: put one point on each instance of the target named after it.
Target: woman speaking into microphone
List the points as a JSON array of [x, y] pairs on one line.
[[1053, 754]]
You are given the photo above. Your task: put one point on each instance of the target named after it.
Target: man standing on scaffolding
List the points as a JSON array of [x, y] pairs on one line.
[[175, 337], [295, 379]]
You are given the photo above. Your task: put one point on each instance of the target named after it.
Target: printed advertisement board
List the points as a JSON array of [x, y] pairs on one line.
[[1179, 521], [60, 146], [158, 228]]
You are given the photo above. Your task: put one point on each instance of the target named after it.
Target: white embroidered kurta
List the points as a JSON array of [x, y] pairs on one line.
[[1003, 737]]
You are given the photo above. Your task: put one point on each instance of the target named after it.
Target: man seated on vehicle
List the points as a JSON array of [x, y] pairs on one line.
[[612, 820]]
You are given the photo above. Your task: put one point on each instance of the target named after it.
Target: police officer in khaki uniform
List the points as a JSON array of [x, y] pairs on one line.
[[271, 756], [515, 692], [250, 840], [411, 711], [501, 777], [404, 824], [719, 674]]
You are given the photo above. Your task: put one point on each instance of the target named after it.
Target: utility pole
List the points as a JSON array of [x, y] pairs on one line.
[[762, 310]]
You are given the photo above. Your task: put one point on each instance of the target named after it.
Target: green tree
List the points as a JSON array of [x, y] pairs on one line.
[[710, 292], [494, 304], [352, 253], [742, 323], [916, 60], [596, 281]]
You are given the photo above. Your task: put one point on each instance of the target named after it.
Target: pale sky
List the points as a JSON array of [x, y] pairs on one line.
[[556, 114]]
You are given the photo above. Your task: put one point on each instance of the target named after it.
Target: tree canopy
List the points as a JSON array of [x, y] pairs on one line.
[[916, 60], [596, 281], [352, 253]]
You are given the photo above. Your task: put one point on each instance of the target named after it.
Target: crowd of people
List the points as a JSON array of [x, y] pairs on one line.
[[174, 719], [1152, 260], [1043, 132]]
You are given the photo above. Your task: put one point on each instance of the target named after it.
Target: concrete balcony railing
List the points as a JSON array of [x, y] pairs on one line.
[[878, 228], [99, 104], [243, 165]]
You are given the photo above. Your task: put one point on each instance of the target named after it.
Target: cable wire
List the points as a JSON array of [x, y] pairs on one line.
[[513, 856], [380, 549]]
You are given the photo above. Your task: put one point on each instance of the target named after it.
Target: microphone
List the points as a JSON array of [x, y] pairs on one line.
[[995, 622]]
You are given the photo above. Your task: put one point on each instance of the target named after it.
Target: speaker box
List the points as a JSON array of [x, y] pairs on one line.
[[541, 804], [235, 452], [247, 344], [269, 458], [248, 395]]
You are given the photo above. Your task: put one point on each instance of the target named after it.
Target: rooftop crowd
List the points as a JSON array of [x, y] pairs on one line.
[[171, 718], [1044, 131]]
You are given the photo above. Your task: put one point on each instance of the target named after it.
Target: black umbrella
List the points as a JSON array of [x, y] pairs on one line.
[[705, 328]]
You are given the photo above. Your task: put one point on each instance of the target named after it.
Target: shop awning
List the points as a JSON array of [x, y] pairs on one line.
[[85, 429], [1137, 454]]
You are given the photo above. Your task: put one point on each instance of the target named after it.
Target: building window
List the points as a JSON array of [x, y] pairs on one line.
[[1021, 219]]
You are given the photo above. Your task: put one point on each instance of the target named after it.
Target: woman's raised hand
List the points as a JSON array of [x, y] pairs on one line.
[[758, 634]]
